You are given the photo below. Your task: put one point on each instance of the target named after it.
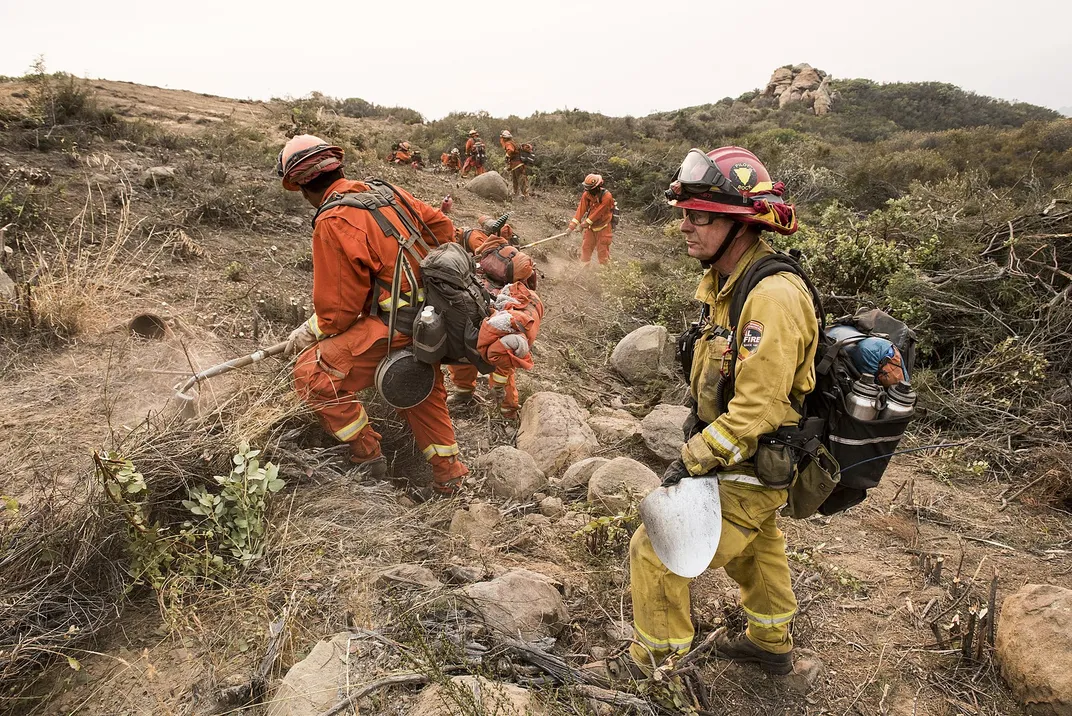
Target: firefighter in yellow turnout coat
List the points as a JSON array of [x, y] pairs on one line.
[[727, 198]]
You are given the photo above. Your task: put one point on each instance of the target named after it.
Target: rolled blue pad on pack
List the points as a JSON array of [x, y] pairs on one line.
[[867, 355]]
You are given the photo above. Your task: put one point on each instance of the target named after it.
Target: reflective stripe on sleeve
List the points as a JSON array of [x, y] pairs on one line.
[[722, 444], [500, 379], [314, 326]]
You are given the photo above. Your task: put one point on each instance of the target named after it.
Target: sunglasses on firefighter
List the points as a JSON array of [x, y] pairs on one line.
[[697, 217]]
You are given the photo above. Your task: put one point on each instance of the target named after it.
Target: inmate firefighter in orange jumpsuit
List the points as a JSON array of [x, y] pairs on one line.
[[499, 265], [519, 173], [594, 213], [400, 154], [339, 347], [474, 154], [452, 162]]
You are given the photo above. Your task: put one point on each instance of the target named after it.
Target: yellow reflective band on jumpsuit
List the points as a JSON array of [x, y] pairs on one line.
[[676, 646], [440, 450], [724, 443], [347, 433], [769, 620], [314, 326], [500, 379]]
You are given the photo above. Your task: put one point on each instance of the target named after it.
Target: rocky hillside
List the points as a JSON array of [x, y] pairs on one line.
[[116, 596]]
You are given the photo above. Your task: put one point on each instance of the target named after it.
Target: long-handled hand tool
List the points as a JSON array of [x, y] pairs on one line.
[[187, 401], [537, 243]]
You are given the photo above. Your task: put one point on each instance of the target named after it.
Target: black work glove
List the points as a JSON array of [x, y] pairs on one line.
[[674, 473]]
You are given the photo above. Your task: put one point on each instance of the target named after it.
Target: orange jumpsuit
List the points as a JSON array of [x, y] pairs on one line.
[[470, 157], [349, 251], [452, 162], [400, 156], [518, 171], [597, 230], [464, 377]]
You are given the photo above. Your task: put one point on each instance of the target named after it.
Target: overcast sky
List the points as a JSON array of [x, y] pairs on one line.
[[505, 57]]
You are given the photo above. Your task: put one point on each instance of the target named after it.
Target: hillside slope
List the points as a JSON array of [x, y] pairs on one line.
[[165, 202]]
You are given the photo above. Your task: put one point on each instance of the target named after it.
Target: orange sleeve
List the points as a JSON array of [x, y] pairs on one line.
[[601, 213], [441, 226], [581, 208], [469, 146], [342, 275]]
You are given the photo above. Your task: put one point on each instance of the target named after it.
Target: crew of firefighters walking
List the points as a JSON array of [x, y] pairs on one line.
[[725, 199]]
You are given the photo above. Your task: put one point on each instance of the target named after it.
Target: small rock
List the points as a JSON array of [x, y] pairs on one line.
[[554, 431], [534, 520], [644, 354], [620, 483], [512, 473], [158, 176], [552, 507], [598, 652], [1034, 647], [476, 523], [465, 695], [807, 668], [579, 473], [489, 185], [463, 573], [8, 290], [519, 601], [311, 686], [574, 520], [618, 630], [411, 574], [539, 497], [662, 429], [614, 426]]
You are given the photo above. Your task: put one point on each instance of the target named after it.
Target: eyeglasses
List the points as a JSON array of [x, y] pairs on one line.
[[698, 218]]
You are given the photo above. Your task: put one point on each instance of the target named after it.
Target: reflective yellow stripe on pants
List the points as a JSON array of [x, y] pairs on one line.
[[752, 550], [347, 433], [440, 450]]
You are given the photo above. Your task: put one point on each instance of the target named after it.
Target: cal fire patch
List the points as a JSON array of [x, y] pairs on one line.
[[750, 338]]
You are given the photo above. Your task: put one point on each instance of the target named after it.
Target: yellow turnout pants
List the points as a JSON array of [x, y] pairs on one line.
[[752, 549]]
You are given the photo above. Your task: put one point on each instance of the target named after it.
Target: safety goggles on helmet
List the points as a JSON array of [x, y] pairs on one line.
[[697, 217], [699, 173]]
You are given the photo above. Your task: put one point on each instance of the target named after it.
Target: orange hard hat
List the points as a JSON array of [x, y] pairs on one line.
[[473, 132], [592, 181], [304, 158]]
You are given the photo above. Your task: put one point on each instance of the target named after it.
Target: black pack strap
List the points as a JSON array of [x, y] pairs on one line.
[[509, 263], [396, 196], [765, 267]]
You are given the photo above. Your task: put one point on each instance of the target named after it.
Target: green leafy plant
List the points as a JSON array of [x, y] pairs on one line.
[[236, 517]]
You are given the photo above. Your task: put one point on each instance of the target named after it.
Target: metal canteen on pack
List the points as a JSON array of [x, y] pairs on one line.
[[684, 524]]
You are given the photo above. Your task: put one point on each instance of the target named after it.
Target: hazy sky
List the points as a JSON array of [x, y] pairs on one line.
[[516, 57]]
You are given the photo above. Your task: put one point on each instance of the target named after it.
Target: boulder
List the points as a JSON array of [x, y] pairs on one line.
[[476, 523], [807, 79], [618, 484], [464, 695], [614, 426], [644, 354], [158, 176], [519, 601], [311, 686], [779, 81], [489, 185], [823, 100], [554, 431], [579, 473], [1034, 647], [413, 575], [552, 507], [512, 473], [662, 430]]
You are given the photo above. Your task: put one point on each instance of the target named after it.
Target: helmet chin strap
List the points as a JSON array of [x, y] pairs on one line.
[[731, 236]]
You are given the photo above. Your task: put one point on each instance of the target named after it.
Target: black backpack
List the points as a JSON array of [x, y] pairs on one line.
[[861, 448], [448, 272], [615, 216], [480, 152]]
